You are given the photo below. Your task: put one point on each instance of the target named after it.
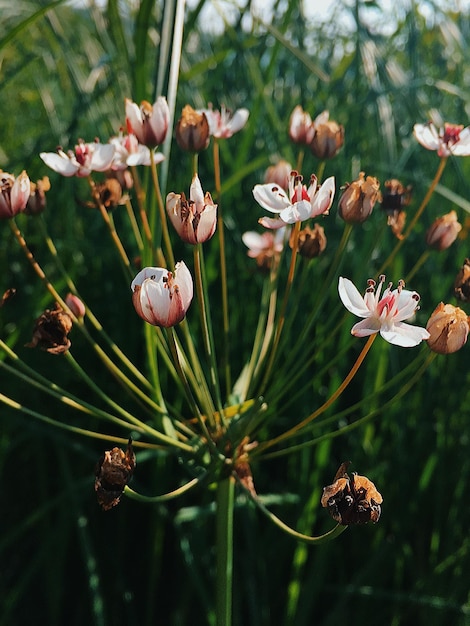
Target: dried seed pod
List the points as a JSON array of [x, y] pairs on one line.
[[352, 500], [50, 331], [113, 473]]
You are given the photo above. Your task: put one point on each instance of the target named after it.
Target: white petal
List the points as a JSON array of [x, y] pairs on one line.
[[364, 328], [61, 165], [297, 212], [254, 241], [427, 136], [405, 335], [196, 193], [102, 157], [141, 157], [184, 280], [272, 222], [155, 273], [351, 298], [207, 223], [271, 197], [406, 305], [323, 198], [238, 120], [462, 147]]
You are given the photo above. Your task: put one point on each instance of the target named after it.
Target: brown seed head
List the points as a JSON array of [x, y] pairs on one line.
[[358, 199], [192, 130], [448, 329]]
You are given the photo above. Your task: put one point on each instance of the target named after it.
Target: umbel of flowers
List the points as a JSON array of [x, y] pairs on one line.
[[225, 421]]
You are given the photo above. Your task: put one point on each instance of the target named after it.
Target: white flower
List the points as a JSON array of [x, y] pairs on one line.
[[130, 152], [298, 203], [195, 220], [452, 139], [148, 122], [87, 158], [383, 314], [222, 124], [160, 297]]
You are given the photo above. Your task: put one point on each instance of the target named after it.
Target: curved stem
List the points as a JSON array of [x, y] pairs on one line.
[[164, 497], [298, 427]]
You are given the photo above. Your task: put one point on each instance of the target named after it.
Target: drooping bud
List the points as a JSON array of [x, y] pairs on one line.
[[352, 500], [328, 137], [462, 282], [443, 231], [358, 199], [448, 329], [311, 242], [37, 198], [192, 130]]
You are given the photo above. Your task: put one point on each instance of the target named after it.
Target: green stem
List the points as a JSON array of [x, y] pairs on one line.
[[161, 207], [417, 215], [224, 547]]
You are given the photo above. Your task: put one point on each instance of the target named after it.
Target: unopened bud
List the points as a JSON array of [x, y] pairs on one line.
[[192, 130], [358, 199], [328, 137], [279, 174], [448, 329], [300, 126], [75, 305], [443, 232]]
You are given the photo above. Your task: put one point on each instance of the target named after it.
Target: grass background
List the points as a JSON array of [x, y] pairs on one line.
[[64, 74]]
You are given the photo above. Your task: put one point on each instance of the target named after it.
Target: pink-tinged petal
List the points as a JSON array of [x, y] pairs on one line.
[[462, 147], [238, 121], [271, 222], [271, 197], [297, 212], [160, 119], [427, 136], [364, 328], [405, 335], [184, 282], [141, 157], [134, 118], [323, 198], [196, 193], [102, 157], [322, 118], [207, 223], [20, 193], [406, 302], [60, 164], [351, 298]]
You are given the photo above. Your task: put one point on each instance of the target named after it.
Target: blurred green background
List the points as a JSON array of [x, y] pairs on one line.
[[65, 71]]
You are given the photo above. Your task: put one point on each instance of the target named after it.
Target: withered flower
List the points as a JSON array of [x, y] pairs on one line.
[[192, 130], [50, 331], [462, 282], [241, 465], [352, 500], [37, 197], [7, 295], [110, 193], [443, 231], [358, 199], [113, 473], [328, 137], [394, 197], [448, 329], [311, 242]]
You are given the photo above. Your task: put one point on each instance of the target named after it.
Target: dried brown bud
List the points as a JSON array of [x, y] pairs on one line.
[[311, 242], [462, 282], [110, 192], [358, 199], [113, 473], [352, 500], [37, 198], [396, 221], [395, 196], [192, 130], [443, 231], [7, 295], [50, 331], [448, 329], [328, 137]]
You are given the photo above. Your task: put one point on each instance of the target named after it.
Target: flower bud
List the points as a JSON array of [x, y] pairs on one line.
[[278, 174], [192, 130], [358, 199], [14, 194], [149, 123], [443, 232], [160, 297], [311, 242], [195, 220], [462, 282], [300, 126], [75, 305], [448, 329], [328, 137]]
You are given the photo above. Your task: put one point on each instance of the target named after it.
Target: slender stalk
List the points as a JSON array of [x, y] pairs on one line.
[[417, 215], [298, 427], [223, 270], [168, 250], [164, 497], [224, 549]]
